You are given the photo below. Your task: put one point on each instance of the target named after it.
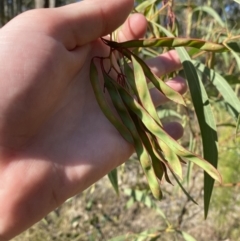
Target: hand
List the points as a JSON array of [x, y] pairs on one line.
[[54, 140]]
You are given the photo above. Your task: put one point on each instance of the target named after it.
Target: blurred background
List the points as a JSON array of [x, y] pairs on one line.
[[10, 8], [100, 214]]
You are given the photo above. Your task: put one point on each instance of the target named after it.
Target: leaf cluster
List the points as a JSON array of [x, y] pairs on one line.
[[139, 123]]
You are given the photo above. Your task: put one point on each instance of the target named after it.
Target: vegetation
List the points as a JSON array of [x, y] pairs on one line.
[[207, 38]]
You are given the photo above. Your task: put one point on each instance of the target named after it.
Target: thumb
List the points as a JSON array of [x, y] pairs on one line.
[[91, 19], [80, 23]]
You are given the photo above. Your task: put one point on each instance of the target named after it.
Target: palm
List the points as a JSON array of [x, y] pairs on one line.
[[63, 135]]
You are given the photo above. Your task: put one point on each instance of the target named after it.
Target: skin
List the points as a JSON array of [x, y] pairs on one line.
[[54, 140]]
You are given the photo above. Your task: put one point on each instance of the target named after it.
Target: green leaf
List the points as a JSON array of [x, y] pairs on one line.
[[170, 42], [206, 122], [212, 13], [158, 83], [205, 119], [141, 89], [139, 195], [145, 4], [192, 143], [238, 125], [113, 177], [150, 147], [237, 58], [234, 46], [222, 86], [183, 189], [232, 79], [121, 238], [172, 159], [187, 237]]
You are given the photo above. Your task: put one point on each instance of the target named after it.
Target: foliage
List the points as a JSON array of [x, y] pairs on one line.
[[141, 125], [213, 101]]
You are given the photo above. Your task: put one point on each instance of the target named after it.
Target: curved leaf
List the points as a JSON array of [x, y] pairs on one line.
[[205, 119], [113, 177], [158, 83], [211, 12], [170, 42]]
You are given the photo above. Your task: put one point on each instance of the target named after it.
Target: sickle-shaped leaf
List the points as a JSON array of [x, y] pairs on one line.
[[141, 89], [113, 177], [205, 118], [157, 82], [170, 42]]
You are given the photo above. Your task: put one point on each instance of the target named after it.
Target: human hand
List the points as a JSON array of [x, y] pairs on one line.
[[54, 140]]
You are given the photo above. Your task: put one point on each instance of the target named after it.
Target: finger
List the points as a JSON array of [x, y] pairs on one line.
[[178, 84], [79, 23], [165, 63], [174, 129], [133, 28]]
